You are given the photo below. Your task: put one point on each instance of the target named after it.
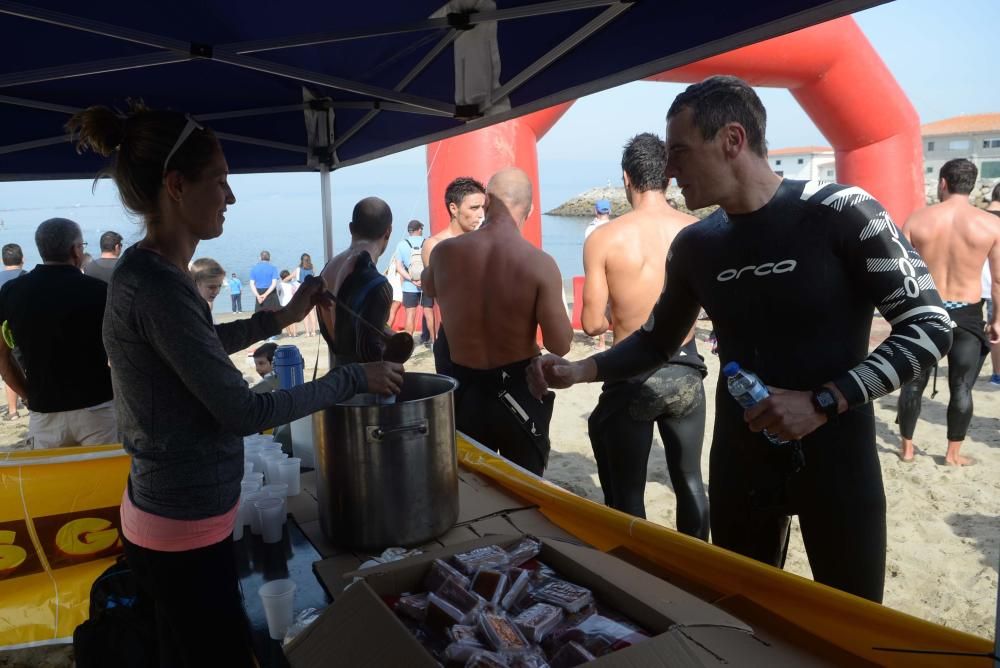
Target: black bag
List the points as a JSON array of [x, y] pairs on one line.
[[121, 631]]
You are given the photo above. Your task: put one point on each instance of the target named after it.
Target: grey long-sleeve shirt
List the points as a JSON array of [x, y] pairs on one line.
[[182, 405]]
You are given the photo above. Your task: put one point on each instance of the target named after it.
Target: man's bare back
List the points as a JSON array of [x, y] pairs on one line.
[[495, 289], [955, 239], [625, 264]]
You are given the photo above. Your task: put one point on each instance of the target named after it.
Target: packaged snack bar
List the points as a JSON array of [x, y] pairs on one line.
[[484, 659], [571, 654], [538, 620], [440, 571], [489, 556], [464, 643], [441, 614], [413, 606], [463, 633], [490, 584], [466, 601], [518, 590], [500, 632], [527, 549], [601, 635], [526, 660], [568, 596]]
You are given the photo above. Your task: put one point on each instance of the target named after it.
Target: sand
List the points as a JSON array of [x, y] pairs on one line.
[[943, 533]]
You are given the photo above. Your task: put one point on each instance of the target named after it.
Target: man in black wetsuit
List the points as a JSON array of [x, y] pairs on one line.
[[625, 263], [828, 255]]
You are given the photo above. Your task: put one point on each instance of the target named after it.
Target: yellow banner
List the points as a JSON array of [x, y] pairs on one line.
[[59, 530]]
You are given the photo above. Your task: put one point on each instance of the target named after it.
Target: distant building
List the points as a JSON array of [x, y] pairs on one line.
[[975, 136], [808, 163]]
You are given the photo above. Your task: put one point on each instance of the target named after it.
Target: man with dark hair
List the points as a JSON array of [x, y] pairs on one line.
[[13, 263], [465, 199], [264, 284], [491, 347], [359, 285], [409, 264], [831, 255], [263, 363], [955, 239], [625, 264], [111, 248], [987, 279], [65, 379]]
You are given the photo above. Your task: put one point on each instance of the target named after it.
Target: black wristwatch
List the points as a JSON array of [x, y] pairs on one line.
[[826, 403]]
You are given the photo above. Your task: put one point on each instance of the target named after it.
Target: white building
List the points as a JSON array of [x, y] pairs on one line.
[[975, 136], [808, 163]]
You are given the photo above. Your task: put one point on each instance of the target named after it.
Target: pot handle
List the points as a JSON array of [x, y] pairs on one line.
[[375, 433]]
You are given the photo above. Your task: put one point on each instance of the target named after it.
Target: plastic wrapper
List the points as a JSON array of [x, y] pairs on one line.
[[518, 590], [464, 643], [500, 632], [602, 635], [568, 596], [527, 549], [571, 654], [440, 571], [485, 659], [527, 660], [489, 556], [466, 601], [490, 584], [413, 606], [441, 614], [537, 621], [301, 621]]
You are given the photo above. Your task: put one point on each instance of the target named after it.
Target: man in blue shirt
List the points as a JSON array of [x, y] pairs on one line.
[[264, 284], [409, 265], [236, 293]]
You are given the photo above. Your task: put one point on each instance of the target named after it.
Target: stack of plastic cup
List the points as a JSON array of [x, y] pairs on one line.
[[269, 511], [278, 597], [279, 491], [249, 512], [254, 477], [271, 462], [288, 472]]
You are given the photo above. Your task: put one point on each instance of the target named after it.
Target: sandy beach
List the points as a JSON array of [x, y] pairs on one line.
[[943, 534]]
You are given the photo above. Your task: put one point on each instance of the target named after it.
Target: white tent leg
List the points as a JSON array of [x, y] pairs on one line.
[[325, 194]]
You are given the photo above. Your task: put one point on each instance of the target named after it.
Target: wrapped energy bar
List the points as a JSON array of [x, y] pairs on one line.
[[568, 596], [524, 551], [571, 654], [490, 584], [500, 632], [413, 606], [440, 571], [485, 659], [441, 614], [489, 556], [466, 601], [602, 635], [518, 589], [536, 622], [464, 643]]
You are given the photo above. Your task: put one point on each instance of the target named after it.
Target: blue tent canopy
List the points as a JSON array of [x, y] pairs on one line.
[[368, 79]]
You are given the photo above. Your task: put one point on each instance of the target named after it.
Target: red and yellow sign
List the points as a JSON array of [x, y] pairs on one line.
[[59, 530]]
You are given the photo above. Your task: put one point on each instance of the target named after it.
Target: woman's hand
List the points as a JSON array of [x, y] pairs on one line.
[[311, 293], [383, 377]]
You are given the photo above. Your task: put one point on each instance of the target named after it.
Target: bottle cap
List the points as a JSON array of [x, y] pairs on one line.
[[731, 369]]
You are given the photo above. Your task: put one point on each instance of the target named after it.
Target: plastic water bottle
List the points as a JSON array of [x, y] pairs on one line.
[[289, 366], [748, 390]]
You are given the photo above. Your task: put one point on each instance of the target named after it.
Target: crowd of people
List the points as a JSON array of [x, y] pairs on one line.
[[135, 354]]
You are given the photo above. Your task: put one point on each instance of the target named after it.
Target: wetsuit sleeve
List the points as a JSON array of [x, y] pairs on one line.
[[894, 276], [369, 345], [658, 340]]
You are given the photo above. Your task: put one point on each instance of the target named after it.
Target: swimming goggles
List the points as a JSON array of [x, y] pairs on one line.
[[190, 127]]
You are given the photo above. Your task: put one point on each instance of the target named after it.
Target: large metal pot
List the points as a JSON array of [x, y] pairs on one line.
[[387, 474]]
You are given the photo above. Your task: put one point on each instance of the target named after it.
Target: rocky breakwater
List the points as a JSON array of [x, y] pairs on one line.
[[980, 195], [582, 205]]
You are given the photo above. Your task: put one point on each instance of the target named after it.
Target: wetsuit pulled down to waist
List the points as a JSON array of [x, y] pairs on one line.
[[621, 434], [495, 407]]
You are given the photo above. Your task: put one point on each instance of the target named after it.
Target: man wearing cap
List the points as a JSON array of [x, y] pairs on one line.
[[602, 215], [409, 264]]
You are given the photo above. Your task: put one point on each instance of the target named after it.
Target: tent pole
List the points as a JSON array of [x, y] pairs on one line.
[[325, 194]]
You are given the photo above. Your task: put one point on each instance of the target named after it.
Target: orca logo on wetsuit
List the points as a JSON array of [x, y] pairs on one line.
[[910, 285], [780, 267]]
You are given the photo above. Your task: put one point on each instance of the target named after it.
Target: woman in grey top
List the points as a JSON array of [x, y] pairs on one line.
[[182, 405]]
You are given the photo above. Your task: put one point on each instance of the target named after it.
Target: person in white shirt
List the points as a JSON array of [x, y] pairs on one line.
[[602, 215]]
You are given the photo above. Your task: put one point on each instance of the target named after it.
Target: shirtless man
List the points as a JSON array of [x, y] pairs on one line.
[[357, 282], [495, 289], [625, 264], [955, 238], [994, 208], [464, 198]]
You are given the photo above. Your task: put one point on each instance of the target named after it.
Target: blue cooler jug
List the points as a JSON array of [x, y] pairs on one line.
[[289, 366]]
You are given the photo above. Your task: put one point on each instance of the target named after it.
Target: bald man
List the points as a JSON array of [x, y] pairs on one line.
[[494, 290]]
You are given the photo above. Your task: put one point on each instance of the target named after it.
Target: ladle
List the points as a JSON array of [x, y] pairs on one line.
[[398, 346]]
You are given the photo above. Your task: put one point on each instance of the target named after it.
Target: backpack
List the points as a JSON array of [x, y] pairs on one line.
[[121, 630], [416, 264]]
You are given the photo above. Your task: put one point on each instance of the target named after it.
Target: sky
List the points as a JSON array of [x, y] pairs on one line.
[[942, 54]]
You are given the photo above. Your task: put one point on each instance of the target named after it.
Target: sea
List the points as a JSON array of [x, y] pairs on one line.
[[281, 213]]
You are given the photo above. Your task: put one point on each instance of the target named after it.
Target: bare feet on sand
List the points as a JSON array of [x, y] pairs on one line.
[[908, 452], [960, 460]]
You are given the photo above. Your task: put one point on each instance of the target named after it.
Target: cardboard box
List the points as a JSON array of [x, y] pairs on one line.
[[361, 631]]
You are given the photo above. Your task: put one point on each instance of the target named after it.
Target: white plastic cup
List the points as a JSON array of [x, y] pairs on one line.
[[247, 467], [247, 486], [277, 489], [269, 511], [289, 472], [255, 477], [278, 597], [250, 515], [238, 524], [271, 467]]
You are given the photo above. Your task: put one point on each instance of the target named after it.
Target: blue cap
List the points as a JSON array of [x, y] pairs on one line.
[[602, 206], [731, 369]]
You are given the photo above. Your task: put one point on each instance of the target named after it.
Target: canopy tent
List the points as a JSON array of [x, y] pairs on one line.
[[302, 86]]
